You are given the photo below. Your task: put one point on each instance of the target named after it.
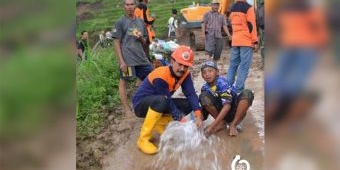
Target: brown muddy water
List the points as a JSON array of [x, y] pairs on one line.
[[183, 147]]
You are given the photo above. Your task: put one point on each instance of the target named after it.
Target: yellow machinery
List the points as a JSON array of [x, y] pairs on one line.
[[192, 20]]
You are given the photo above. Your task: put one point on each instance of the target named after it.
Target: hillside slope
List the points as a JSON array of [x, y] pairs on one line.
[[97, 15]]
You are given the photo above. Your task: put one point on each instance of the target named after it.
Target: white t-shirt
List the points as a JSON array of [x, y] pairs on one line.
[[172, 24], [108, 35], [101, 37]]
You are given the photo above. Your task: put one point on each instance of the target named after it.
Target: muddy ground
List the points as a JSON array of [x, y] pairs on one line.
[[115, 148], [84, 10]]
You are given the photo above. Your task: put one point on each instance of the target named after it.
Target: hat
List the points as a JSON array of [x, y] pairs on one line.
[[215, 1], [209, 63], [183, 55], [174, 11]]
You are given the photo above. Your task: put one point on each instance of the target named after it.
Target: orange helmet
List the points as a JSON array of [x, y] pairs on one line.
[[183, 55]]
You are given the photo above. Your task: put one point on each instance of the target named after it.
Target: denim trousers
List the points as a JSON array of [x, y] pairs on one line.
[[292, 71], [240, 61]]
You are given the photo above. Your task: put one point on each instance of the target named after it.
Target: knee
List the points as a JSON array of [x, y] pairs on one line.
[[160, 104], [205, 99], [248, 95]]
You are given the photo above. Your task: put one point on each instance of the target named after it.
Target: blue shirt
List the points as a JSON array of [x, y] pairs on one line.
[[222, 89]]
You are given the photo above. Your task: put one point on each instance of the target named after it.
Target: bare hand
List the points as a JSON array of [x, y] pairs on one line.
[[139, 35], [199, 122], [123, 66], [208, 130], [183, 120]]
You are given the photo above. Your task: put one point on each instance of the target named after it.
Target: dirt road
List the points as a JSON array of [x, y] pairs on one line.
[[249, 144]]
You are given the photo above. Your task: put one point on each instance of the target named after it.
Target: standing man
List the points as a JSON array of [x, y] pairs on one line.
[[173, 24], [108, 37], [129, 37], [153, 98], [142, 12], [212, 23], [82, 47], [244, 41], [102, 39]]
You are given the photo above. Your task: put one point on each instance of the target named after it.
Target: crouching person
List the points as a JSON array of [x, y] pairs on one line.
[[153, 98], [219, 99]]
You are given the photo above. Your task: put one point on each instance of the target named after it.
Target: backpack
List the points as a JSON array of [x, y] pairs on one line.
[[260, 16]]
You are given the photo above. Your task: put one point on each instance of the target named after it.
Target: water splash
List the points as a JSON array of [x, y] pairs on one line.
[[184, 147]]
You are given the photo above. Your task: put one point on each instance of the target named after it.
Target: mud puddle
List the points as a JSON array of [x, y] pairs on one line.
[[248, 145]]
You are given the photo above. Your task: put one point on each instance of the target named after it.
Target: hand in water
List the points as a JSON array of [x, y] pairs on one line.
[[208, 131], [199, 122]]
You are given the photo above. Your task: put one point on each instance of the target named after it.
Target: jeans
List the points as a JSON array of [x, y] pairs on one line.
[[240, 61], [292, 71]]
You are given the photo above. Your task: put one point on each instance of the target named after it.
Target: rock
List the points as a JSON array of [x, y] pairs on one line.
[[106, 114], [100, 136], [116, 121], [110, 117], [113, 127], [97, 154], [116, 141], [107, 134]]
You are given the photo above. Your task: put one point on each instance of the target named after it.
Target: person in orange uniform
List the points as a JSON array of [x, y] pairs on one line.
[[154, 102], [142, 12], [302, 38], [244, 41]]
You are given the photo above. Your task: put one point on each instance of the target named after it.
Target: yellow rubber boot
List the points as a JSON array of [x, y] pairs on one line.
[[150, 121], [162, 123]]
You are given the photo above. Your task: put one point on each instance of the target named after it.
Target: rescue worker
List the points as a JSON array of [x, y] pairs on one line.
[[153, 98], [142, 12], [244, 42]]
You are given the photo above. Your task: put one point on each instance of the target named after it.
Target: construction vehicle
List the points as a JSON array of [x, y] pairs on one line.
[[191, 20]]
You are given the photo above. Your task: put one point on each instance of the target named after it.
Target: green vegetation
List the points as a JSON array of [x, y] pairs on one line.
[[97, 90], [97, 78], [35, 86], [104, 19]]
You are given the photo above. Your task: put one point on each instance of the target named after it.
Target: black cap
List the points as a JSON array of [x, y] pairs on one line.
[[174, 11]]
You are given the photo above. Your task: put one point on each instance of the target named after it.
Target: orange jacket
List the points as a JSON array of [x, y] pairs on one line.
[[162, 81], [302, 28], [165, 74], [142, 12], [243, 23]]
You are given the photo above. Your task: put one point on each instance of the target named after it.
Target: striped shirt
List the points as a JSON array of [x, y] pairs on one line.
[[214, 22]]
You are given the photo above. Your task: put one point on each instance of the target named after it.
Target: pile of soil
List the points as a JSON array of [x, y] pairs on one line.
[[85, 9], [91, 150]]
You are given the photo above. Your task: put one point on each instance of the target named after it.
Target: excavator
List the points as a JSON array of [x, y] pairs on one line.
[[191, 20]]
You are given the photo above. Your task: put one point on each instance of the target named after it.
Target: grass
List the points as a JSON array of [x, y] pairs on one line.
[[105, 18], [97, 77], [97, 90]]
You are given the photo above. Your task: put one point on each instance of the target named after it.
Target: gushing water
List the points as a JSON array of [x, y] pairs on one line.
[[184, 147]]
